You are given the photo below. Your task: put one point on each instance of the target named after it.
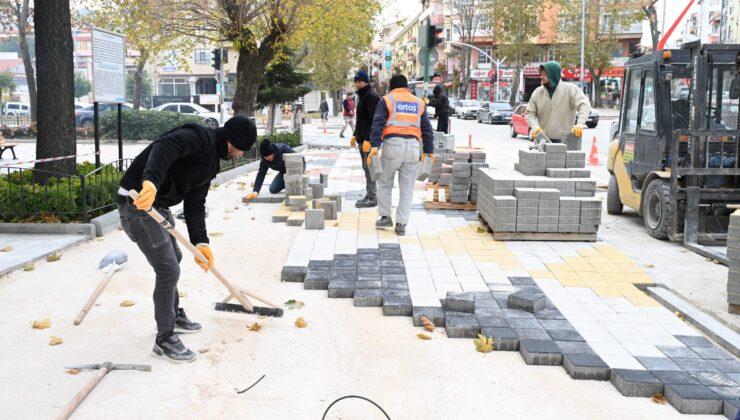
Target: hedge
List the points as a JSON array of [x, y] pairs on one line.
[[291, 139], [144, 125]]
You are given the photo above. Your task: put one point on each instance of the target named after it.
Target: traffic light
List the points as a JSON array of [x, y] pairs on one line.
[[216, 58], [433, 36]]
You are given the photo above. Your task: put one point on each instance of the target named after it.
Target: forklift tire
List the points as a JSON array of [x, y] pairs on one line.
[[613, 203], [656, 208]]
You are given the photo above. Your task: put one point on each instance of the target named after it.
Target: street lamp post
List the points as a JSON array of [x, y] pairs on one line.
[[583, 40]]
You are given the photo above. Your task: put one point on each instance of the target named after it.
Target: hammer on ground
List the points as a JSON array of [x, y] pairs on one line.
[[101, 369]]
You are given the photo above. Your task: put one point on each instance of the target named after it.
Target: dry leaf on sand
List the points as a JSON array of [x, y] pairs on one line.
[[256, 327], [427, 324], [73, 371], [300, 322], [294, 304], [423, 336], [215, 234], [53, 257], [6, 248], [658, 399], [483, 344], [55, 340], [29, 267], [42, 325], [127, 303]]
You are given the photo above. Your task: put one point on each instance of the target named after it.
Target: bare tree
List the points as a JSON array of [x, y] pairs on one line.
[[648, 6], [17, 14], [465, 20]]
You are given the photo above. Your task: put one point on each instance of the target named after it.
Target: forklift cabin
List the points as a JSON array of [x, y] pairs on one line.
[[677, 156]]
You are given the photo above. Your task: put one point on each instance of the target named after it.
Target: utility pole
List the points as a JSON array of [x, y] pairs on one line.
[[426, 54], [583, 41], [498, 76]]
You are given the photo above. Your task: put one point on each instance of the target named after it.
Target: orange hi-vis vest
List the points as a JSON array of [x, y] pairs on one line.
[[404, 114]]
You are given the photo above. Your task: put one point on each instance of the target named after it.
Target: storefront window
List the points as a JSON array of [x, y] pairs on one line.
[[173, 86]]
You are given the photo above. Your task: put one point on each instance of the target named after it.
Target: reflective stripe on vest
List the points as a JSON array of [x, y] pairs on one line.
[[404, 114]]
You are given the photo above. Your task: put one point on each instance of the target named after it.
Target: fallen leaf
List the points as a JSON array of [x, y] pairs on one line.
[[427, 324], [261, 316], [300, 322], [73, 371], [42, 325], [100, 239], [483, 344], [227, 218], [215, 234], [127, 303], [294, 304], [423, 336], [55, 341], [6, 248], [29, 267], [53, 257], [204, 350], [679, 315], [256, 327], [659, 399], [182, 294], [481, 229], [649, 265]]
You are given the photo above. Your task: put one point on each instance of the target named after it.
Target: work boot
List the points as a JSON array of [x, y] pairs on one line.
[[185, 326], [341, 135], [400, 229], [384, 221], [170, 348], [366, 202]]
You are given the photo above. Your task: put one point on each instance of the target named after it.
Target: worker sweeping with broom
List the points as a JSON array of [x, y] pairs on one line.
[[177, 167]]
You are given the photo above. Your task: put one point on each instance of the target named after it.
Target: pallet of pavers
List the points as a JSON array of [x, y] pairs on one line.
[[550, 197], [457, 183]]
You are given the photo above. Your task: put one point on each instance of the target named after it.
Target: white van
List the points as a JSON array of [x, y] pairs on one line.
[[16, 108]]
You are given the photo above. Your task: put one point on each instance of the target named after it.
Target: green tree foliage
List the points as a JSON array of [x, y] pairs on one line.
[[7, 84], [82, 85], [281, 83]]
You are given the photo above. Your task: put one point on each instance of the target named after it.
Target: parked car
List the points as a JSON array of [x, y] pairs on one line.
[[85, 117], [518, 125], [16, 108], [80, 105], [210, 118], [454, 103], [495, 113], [468, 108], [593, 119]]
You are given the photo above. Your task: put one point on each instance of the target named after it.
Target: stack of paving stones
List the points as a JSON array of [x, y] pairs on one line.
[[555, 162], [733, 254], [460, 183], [444, 151], [513, 202]]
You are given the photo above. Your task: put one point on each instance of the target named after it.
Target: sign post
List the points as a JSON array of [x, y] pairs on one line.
[[109, 79]]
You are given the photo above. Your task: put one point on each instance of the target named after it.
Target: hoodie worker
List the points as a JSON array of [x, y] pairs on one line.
[[177, 167], [272, 158], [441, 108], [401, 122], [366, 105], [348, 113], [555, 105]]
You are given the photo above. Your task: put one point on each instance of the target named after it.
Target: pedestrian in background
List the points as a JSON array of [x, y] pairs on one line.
[[324, 108], [348, 112], [400, 124], [367, 102], [441, 108]]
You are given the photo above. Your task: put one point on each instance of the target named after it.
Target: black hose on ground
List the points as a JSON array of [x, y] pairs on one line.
[[354, 396]]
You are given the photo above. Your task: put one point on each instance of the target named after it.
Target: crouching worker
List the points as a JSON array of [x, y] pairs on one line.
[[272, 158], [177, 167]]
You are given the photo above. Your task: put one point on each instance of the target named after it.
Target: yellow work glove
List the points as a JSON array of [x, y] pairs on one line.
[[424, 155], [251, 196], [353, 142], [537, 131], [373, 152], [206, 251], [147, 195], [577, 131], [366, 146]]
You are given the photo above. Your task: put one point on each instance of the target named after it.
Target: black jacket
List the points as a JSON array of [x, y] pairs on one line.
[[181, 165], [277, 164], [324, 107], [441, 102], [366, 105]]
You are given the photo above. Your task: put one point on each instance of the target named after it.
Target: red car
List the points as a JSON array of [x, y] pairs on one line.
[[519, 124]]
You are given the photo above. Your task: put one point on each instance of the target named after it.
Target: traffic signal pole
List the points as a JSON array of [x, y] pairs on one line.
[[428, 48]]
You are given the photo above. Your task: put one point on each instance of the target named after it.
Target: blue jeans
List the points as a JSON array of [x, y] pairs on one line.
[[278, 184]]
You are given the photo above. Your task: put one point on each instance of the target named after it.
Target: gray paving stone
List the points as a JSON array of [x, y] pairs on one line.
[[314, 218], [694, 365], [460, 302], [527, 301], [395, 285], [365, 270], [368, 251], [517, 313], [368, 284], [393, 277], [344, 263], [524, 323], [488, 303], [483, 296], [330, 209], [368, 262], [493, 321], [712, 353], [540, 352], [293, 274], [489, 311], [587, 366], [344, 274], [397, 306], [368, 298], [693, 399], [391, 263], [395, 293], [576, 347], [727, 366], [433, 313], [341, 289], [731, 408], [345, 256], [694, 341], [564, 335], [392, 270], [504, 339], [461, 326], [533, 334], [316, 281], [636, 383], [674, 377], [548, 314], [368, 277], [522, 281], [713, 379], [676, 351], [657, 363], [320, 263], [556, 324]]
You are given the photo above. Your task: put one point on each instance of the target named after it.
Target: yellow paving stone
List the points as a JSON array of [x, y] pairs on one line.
[[558, 267], [620, 259], [638, 278], [478, 251], [455, 252], [572, 282], [629, 268], [597, 260], [614, 277], [582, 267], [574, 260], [598, 284], [590, 275], [477, 245], [483, 258], [563, 274], [641, 299], [589, 253], [624, 287], [607, 292], [451, 244], [606, 268], [541, 274], [606, 249], [509, 265]]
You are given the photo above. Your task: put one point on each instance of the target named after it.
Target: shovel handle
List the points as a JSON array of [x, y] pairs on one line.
[[84, 392], [93, 298]]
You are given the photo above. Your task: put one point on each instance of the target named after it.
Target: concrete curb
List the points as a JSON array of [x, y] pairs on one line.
[[16, 267], [106, 223], [49, 228]]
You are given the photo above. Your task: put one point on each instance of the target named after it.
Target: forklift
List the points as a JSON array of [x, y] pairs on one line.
[[675, 156]]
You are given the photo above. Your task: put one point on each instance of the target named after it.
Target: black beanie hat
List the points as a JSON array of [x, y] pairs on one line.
[[399, 81], [266, 148], [241, 132]]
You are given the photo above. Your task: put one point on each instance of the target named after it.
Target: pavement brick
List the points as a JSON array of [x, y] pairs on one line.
[[527, 301], [315, 218], [397, 305], [585, 366], [460, 302], [317, 281], [574, 347], [713, 379], [731, 408], [293, 274], [504, 339], [564, 335], [493, 321], [461, 326], [693, 399], [540, 352], [432, 313], [368, 297], [341, 289], [657, 363], [694, 365], [636, 383]]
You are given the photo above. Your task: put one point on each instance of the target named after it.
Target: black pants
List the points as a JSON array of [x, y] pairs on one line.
[[371, 187], [443, 122], [164, 255]]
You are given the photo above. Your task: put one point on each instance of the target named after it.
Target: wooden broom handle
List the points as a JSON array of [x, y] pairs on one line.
[[94, 297], [84, 392]]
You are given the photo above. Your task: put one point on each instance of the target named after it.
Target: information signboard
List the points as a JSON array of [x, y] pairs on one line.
[[109, 66]]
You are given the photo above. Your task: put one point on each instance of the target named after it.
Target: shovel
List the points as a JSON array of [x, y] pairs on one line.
[[234, 292], [111, 263]]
